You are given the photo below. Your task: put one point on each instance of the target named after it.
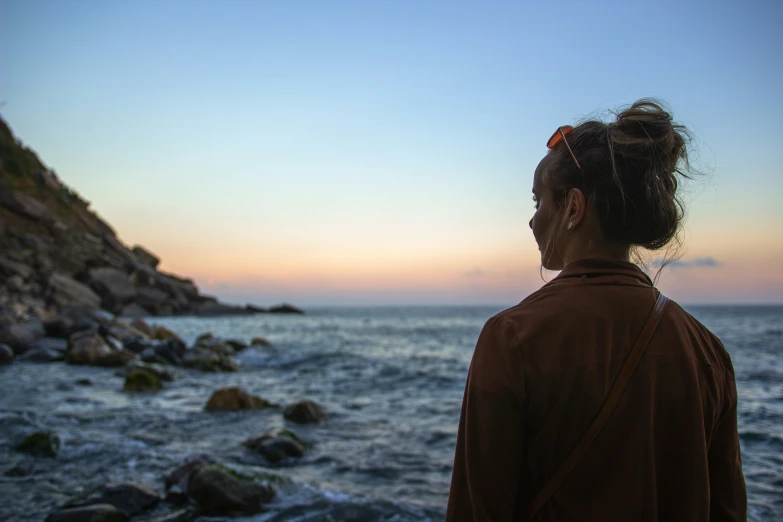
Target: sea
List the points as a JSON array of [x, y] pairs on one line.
[[390, 381]]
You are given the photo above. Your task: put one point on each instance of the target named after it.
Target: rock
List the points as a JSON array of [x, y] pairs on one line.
[[161, 333], [51, 344], [285, 309], [259, 341], [64, 290], [152, 298], [128, 497], [139, 346], [22, 336], [276, 445], [114, 286], [142, 326], [21, 469], [145, 257], [25, 205], [235, 399], [87, 347], [83, 382], [6, 354], [181, 515], [172, 351], [255, 309], [158, 370], [12, 268], [134, 310], [140, 380], [94, 513], [116, 358], [235, 344], [214, 308], [177, 481], [40, 444], [219, 492], [42, 355], [304, 412], [126, 332]]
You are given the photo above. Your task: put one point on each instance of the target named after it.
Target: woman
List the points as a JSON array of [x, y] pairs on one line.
[[542, 370]]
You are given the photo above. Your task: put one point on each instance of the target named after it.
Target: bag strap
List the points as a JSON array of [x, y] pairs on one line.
[[608, 407]]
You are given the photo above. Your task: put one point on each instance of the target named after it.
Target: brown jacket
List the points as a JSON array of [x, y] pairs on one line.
[[539, 375]]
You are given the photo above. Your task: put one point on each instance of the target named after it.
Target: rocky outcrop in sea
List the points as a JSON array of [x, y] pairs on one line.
[[56, 252]]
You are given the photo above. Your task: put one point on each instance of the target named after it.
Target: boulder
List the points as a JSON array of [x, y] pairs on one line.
[[142, 326], [11, 268], [42, 355], [40, 444], [158, 370], [22, 336], [277, 445], [25, 205], [285, 309], [235, 399], [114, 286], [259, 341], [171, 351], [177, 481], [116, 358], [128, 497], [51, 343], [161, 333], [145, 257], [219, 492], [235, 344], [6, 354], [141, 380], [94, 513], [87, 347], [304, 412], [134, 310], [63, 290], [152, 298], [208, 361], [126, 332]]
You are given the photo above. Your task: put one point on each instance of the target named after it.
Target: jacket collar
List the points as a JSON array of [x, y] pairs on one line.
[[619, 272]]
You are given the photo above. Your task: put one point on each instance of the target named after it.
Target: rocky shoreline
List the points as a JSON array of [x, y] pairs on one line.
[[56, 252], [149, 357]]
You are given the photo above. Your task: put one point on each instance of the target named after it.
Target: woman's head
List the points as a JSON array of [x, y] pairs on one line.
[[614, 190]]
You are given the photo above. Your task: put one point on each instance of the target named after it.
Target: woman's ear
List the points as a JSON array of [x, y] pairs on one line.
[[576, 207]]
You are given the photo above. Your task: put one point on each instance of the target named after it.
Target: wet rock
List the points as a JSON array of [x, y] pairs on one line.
[[172, 350], [235, 399], [140, 380], [208, 361], [204, 339], [88, 347], [181, 515], [42, 355], [94, 513], [285, 309], [177, 481], [40, 444], [158, 370], [276, 445], [21, 336], [139, 346], [83, 382], [304, 412], [51, 343], [219, 492], [65, 290], [235, 344], [126, 332], [142, 326], [161, 333], [128, 497], [259, 341], [6, 354]]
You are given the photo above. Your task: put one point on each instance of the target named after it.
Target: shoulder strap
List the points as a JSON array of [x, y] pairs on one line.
[[608, 407]]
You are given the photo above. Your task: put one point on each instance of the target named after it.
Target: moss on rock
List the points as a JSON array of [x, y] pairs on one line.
[[40, 444], [140, 380]]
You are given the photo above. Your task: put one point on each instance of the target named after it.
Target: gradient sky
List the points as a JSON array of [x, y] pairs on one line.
[[382, 152]]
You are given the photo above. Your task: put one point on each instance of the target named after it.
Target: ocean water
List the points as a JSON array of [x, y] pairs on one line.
[[391, 382]]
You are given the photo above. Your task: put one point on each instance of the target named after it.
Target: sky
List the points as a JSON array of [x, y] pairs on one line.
[[382, 153]]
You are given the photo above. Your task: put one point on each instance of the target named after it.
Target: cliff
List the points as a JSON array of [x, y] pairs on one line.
[[55, 252]]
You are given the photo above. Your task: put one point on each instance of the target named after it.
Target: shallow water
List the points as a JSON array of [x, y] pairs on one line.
[[391, 381]]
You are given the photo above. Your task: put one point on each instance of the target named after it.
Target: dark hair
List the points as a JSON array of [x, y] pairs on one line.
[[631, 170]]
